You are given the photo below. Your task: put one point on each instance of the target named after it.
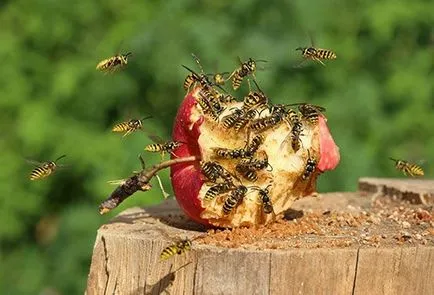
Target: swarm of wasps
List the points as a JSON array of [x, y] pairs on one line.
[[213, 101]]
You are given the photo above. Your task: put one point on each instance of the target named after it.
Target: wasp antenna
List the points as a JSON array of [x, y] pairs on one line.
[[239, 59], [255, 187], [269, 165], [188, 69], [395, 160], [261, 60], [257, 86], [145, 118], [299, 48], [62, 156], [197, 61]]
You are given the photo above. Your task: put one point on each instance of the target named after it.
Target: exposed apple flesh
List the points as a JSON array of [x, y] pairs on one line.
[[201, 134]]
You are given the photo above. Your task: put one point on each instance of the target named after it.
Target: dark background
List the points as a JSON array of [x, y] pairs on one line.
[[378, 94]]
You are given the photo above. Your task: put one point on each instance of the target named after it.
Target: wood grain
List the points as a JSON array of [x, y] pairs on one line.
[[126, 261], [417, 191]]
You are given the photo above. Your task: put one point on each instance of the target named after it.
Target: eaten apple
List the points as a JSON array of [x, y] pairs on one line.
[[292, 175]]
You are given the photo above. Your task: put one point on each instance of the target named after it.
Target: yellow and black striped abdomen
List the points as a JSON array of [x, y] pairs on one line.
[[409, 169], [325, 54], [121, 127], [175, 249], [237, 79], [154, 147], [40, 172], [189, 81]]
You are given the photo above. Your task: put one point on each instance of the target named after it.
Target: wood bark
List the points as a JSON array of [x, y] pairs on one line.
[[126, 260]]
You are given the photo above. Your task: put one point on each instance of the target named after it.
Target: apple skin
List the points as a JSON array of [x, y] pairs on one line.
[[187, 178]]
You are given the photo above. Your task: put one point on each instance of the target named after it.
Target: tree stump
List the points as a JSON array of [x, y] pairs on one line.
[[364, 242]]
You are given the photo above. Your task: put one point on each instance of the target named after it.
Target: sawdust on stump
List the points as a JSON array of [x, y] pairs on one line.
[[374, 222]]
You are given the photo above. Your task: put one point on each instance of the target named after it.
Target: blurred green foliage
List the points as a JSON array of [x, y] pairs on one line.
[[378, 95]]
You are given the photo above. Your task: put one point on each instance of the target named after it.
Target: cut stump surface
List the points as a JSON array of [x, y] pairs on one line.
[[338, 243]]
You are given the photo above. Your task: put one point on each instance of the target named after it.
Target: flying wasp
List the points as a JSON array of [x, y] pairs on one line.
[[162, 147], [112, 64], [234, 199], [245, 68], [129, 126], [310, 167], [409, 169], [178, 247], [315, 54], [44, 169]]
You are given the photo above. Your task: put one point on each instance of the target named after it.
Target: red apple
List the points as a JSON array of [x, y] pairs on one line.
[[201, 134]]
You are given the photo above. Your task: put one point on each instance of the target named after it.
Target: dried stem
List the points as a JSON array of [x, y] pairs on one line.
[[138, 182]]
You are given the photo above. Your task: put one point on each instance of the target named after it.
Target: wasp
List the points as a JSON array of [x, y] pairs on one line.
[[44, 169], [254, 144], [232, 153], [213, 171], [309, 112], [234, 199], [202, 79], [262, 124], [254, 164], [162, 147], [409, 169], [247, 173], [209, 105], [245, 68], [277, 114], [230, 120], [194, 78], [225, 98], [254, 99], [245, 119], [296, 130], [114, 63], [264, 196], [217, 189], [129, 126], [309, 168], [316, 54], [176, 248]]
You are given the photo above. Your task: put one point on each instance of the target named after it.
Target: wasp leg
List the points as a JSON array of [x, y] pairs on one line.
[[126, 133], [320, 61]]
